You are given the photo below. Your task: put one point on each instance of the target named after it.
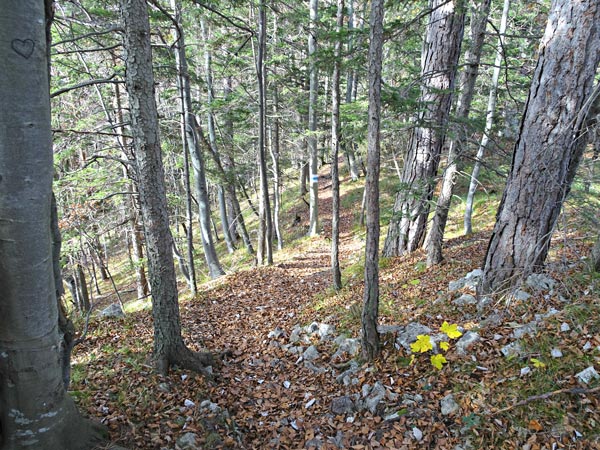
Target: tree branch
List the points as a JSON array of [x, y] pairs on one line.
[[86, 83]]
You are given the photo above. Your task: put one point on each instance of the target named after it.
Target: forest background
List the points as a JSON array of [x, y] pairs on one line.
[[427, 113]]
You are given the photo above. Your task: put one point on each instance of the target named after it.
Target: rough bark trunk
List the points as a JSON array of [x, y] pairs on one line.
[[335, 149], [169, 348], [489, 121], [435, 238], [595, 254], [35, 410], [439, 61], [370, 312], [313, 228], [552, 137]]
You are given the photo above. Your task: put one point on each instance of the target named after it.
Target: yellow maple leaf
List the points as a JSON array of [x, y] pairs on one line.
[[444, 346], [438, 361], [422, 344], [450, 330]]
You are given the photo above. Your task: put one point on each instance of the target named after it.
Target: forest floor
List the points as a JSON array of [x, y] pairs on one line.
[[268, 393]]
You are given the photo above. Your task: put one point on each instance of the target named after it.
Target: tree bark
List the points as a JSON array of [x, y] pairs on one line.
[[552, 137], [335, 149], [35, 410], [435, 238], [265, 228], [489, 122], [313, 228], [439, 62], [595, 254], [212, 135], [370, 312], [169, 348]]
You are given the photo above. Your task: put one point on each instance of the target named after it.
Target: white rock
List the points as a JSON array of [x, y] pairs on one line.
[[466, 341], [286, 384], [188, 403], [525, 370], [448, 405], [587, 375], [565, 327], [587, 346], [418, 434], [556, 353]]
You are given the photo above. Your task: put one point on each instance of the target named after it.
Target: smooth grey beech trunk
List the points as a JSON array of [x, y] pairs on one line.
[[313, 228], [553, 134], [35, 410], [212, 134], [265, 228], [169, 348], [433, 243], [439, 61], [335, 149], [370, 312], [193, 141], [489, 121]]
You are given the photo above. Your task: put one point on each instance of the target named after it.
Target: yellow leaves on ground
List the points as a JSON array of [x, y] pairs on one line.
[[438, 361], [450, 330], [422, 344]]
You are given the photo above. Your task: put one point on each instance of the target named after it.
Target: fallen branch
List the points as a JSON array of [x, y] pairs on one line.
[[546, 395]]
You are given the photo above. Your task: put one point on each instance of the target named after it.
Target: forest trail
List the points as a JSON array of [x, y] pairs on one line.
[[273, 391]]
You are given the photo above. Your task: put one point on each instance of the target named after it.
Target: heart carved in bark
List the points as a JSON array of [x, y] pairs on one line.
[[23, 47]]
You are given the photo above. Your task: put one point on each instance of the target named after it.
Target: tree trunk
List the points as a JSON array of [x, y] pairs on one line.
[[265, 228], [212, 135], [370, 312], [596, 255], [169, 348], [335, 149], [346, 144], [439, 61], [435, 238], [313, 228], [35, 410], [189, 230], [552, 137], [193, 138], [489, 121], [275, 150]]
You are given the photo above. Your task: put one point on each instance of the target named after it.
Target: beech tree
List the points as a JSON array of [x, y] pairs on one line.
[[553, 135], [439, 61], [312, 121], [169, 348], [35, 409]]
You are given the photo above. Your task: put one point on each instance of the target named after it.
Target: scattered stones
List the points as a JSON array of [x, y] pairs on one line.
[[373, 396], [417, 434], [484, 303], [465, 299], [587, 375], [411, 399], [345, 377], [314, 368], [113, 310], [410, 333], [389, 329], [520, 296], [512, 349], [527, 329], [342, 405], [276, 333], [348, 346], [540, 282], [311, 353], [188, 441], [448, 405], [207, 405], [466, 341]]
